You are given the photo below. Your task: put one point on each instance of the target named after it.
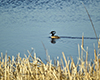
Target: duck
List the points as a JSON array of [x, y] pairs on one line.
[[53, 36]]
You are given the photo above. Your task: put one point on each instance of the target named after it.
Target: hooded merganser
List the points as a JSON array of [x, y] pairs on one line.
[[52, 36]]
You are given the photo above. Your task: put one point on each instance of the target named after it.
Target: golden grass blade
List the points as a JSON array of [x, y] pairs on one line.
[[46, 51], [67, 66], [90, 21], [5, 65], [82, 47], [99, 43], [79, 51]]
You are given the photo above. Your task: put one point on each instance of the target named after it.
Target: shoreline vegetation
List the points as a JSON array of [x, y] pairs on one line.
[[24, 69]]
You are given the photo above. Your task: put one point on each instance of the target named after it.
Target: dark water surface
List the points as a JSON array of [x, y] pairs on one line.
[[25, 24]]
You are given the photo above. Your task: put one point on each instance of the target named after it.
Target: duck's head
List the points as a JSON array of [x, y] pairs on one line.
[[53, 32]]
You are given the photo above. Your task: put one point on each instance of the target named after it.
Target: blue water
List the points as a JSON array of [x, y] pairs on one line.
[[25, 24]]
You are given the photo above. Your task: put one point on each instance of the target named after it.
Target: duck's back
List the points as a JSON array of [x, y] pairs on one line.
[[55, 37]]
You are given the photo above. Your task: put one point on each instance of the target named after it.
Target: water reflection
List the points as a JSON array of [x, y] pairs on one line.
[[53, 41]]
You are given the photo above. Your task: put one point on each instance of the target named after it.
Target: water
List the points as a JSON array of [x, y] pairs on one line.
[[27, 23]]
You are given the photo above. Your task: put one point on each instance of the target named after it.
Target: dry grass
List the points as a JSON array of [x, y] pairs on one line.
[[23, 69]]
